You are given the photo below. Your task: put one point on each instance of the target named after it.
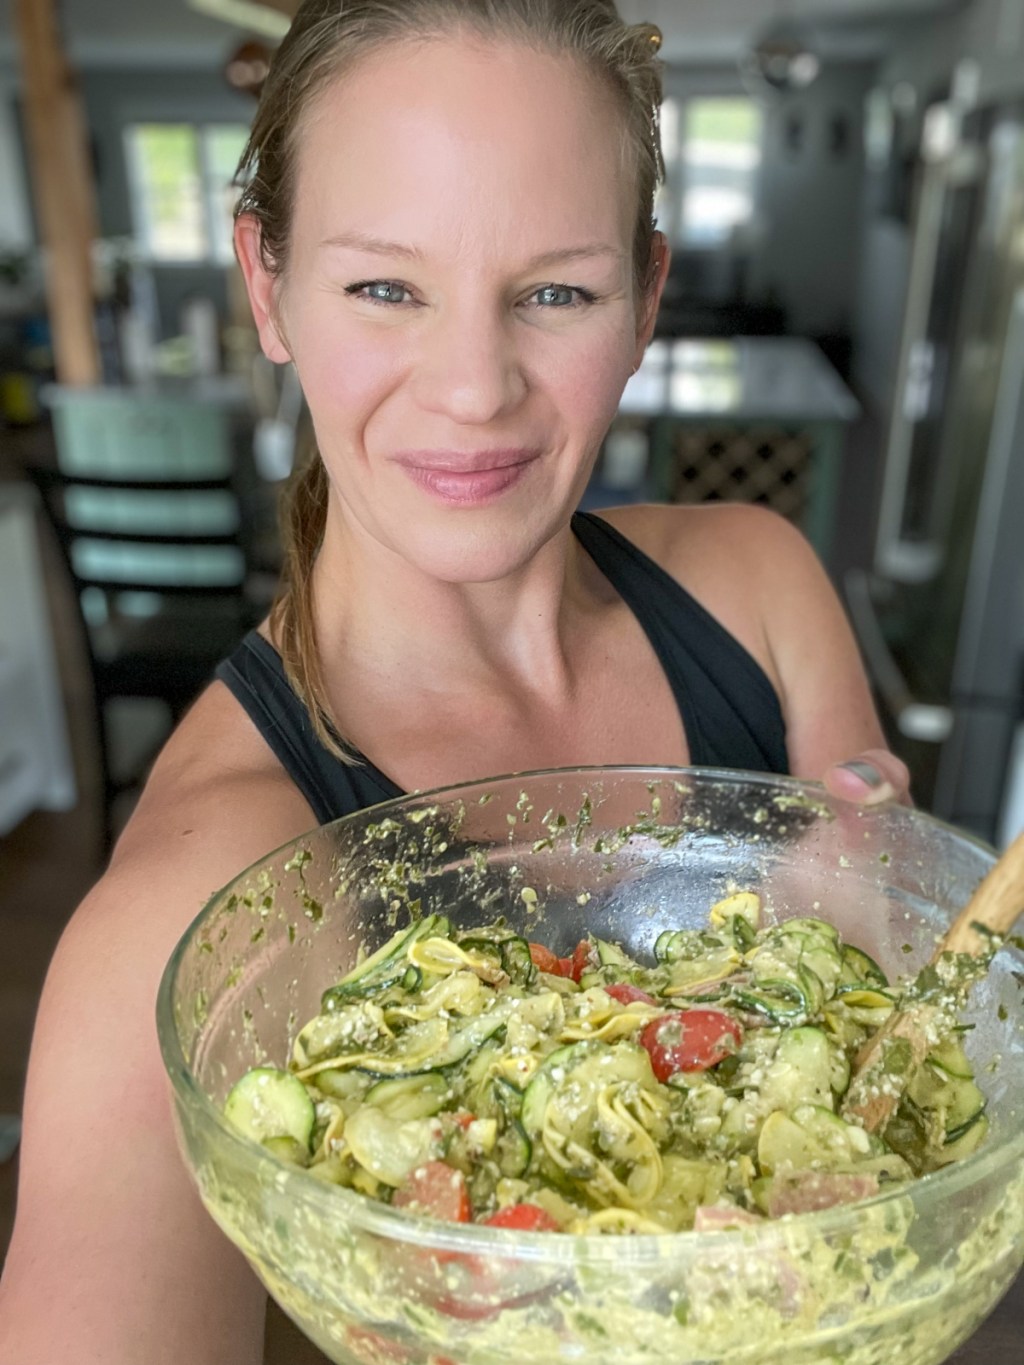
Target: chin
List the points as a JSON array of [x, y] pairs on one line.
[[489, 550]]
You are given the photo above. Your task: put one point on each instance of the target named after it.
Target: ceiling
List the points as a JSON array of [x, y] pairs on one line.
[[169, 33]]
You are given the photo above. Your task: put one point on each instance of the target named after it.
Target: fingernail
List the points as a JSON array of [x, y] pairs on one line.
[[867, 772]]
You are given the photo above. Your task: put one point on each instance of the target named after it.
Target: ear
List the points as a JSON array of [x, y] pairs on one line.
[[661, 259], [261, 285]]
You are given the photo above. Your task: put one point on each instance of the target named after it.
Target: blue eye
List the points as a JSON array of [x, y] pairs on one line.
[[561, 296], [380, 291], [556, 296]]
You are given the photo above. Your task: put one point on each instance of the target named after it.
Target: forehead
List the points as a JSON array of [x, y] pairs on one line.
[[465, 143]]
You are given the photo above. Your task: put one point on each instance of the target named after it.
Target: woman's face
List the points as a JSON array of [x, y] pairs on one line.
[[459, 297]]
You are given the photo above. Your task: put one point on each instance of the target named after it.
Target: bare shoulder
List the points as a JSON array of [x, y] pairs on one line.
[[744, 564], [216, 792], [701, 543], [760, 578]]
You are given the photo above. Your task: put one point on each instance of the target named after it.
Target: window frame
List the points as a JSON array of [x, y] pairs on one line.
[[678, 179], [209, 191]]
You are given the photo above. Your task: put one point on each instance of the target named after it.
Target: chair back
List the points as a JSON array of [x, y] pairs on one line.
[[143, 498]]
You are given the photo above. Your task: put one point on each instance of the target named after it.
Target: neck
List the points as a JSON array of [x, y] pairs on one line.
[[378, 612]]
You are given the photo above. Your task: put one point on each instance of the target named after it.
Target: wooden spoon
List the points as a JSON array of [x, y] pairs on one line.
[[930, 1005]]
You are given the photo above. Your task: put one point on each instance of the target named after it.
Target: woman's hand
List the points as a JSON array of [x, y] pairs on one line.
[[871, 777]]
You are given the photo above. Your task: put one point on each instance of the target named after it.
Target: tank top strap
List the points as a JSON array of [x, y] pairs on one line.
[[729, 708], [255, 676]]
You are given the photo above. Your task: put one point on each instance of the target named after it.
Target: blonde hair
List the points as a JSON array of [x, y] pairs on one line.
[[331, 36]]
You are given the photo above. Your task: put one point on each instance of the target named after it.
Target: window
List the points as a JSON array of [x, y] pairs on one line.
[[182, 197], [712, 156]]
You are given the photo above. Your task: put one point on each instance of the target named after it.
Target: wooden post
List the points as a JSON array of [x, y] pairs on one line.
[[62, 189]]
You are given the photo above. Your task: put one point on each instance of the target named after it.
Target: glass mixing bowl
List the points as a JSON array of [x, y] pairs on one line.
[[624, 853]]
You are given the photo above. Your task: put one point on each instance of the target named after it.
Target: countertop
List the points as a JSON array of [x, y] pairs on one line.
[[742, 379]]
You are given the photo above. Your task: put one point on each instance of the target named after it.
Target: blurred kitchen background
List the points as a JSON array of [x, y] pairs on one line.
[[842, 338]]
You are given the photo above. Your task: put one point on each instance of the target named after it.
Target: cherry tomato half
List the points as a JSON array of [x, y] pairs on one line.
[[583, 958], [689, 1040], [524, 1218], [547, 961], [435, 1190], [625, 994]]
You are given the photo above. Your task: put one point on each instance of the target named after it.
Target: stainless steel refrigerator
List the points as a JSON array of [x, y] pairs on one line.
[[940, 615]]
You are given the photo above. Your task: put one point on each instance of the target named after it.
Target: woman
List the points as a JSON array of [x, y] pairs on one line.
[[449, 231]]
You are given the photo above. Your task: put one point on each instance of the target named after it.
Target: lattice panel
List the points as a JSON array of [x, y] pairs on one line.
[[765, 465]]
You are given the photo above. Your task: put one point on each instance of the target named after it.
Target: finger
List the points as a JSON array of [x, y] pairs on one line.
[[870, 778]]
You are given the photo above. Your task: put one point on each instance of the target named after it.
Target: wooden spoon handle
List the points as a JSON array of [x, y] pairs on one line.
[[997, 904]]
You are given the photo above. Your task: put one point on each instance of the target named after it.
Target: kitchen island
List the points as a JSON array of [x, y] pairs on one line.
[[751, 419]]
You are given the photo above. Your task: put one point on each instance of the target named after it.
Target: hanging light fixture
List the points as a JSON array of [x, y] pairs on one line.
[[248, 67], [780, 61]]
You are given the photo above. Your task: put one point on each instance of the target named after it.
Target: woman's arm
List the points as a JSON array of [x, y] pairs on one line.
[[832, 727], [760, 578], [113, 1258]]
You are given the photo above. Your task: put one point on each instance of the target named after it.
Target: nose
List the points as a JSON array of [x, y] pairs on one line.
[[470, 370]]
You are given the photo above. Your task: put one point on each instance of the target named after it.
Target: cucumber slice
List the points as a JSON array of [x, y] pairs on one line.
[[288, 1150], [513, 1150], [611, 955], [956, 1100], [482, 948], [800, 1072], [964, 1107], [341, 1085], [811, 1139], [859, 967], [409, 1097], [517, 962], [508, 1098], [268, 1103], [779, 1000], [545, 1081], [476, 1079], [385, 967], [689, 945], [963, 1141], [809, 926], [387, 1149], [736, 919], [950, 1057]]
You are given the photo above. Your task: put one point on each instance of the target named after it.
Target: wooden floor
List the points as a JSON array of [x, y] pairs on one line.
[[36, 900]]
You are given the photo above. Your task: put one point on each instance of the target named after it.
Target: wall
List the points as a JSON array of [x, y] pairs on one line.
[[116, 98], [805, 248], [810, 198]]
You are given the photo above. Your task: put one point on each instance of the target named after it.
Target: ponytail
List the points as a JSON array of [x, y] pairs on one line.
[[292, 617]]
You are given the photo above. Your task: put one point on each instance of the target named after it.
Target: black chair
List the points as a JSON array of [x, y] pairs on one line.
[[159, 568]]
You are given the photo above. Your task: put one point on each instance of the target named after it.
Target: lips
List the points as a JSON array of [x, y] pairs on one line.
[[466, 478], [464, 462]]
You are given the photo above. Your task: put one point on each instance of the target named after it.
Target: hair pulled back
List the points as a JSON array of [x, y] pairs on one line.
[[329, 37]]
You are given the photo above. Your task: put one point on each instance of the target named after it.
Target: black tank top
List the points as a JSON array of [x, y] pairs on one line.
[[730, 711]]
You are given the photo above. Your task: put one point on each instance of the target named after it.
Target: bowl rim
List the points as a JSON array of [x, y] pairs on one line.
[[371, 1217]]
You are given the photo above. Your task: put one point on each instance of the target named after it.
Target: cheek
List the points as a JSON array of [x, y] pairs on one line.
[[587, 379], [345, 370]]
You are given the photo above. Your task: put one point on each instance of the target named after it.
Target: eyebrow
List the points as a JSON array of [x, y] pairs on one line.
[[379, 246]]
